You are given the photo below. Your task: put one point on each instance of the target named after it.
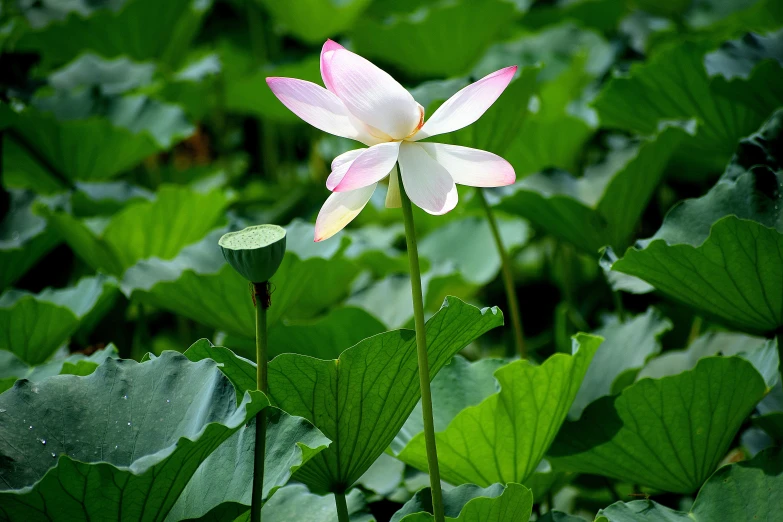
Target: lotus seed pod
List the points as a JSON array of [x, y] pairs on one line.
[[255, 252]]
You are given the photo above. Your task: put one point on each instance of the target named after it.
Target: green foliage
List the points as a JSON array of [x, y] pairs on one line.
[[520, 421], [135, 133], [133, 423], [602, 207], [734, 492], [496, 503], [668, 434], [360, 380], [33, 326]]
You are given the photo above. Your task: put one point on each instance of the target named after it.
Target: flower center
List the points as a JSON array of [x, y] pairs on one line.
[[419, 126]]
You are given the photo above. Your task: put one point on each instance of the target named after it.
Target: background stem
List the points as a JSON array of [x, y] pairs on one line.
[[261, 297], [421, 349], [342, 507], [508, 279]]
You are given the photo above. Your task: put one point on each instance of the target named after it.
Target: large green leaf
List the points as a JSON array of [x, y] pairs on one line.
[[141, 29], [12, 368], [603, 207], [224, 481], [361, 400], [721, 253], [668, 434], [199, 284], [178, 216], [24, 238], [503, 438], [674, 84], [748, 490], [730, 276], [316, 20], [72, 135], [33, 326], [119, 444], [439, 39], [496, 503]]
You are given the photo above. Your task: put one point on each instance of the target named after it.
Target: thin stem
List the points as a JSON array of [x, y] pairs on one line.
[[695, 329], [342, 507], [779, 340], [421, 349], [261, 298], [508, 279], [618, 305]]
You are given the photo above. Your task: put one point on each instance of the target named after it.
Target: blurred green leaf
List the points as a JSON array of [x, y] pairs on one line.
[[325, 338], [125, 429], [177, 217], [33, 326], [627, 346], [713, 343], [603, 207], [668, 434], [199, 284], [739, 491], [520, 420], [674, 84], [71, 136], [244, 83], [468, 246], [316, 20], [24, 238], [496, 503], [140, 29], [438, 38], [14, 368]]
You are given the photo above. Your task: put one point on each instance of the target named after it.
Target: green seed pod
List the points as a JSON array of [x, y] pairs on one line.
[[255, 252]]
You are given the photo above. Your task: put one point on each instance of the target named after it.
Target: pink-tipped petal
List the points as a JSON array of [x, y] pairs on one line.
[[326, 56], [340, 166], [372, 95], [339, 209], [473, 167], [370, 166], [318, 107], [427, 183], [468, 104]]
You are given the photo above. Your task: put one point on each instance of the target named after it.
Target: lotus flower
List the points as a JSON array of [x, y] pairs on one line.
[[364, 103]]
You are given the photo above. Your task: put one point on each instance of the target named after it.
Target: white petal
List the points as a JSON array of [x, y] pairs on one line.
[[320, 108], [339, 209], [467, 105], [340, 166], [426, 182], [372, 95], [393, 199], [473, 167], [371, 166]]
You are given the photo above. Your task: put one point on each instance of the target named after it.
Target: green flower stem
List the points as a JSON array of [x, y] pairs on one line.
[[779, 339], [618, 305], [508, 278], [342, 507], [261, 298], [421, 349]]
